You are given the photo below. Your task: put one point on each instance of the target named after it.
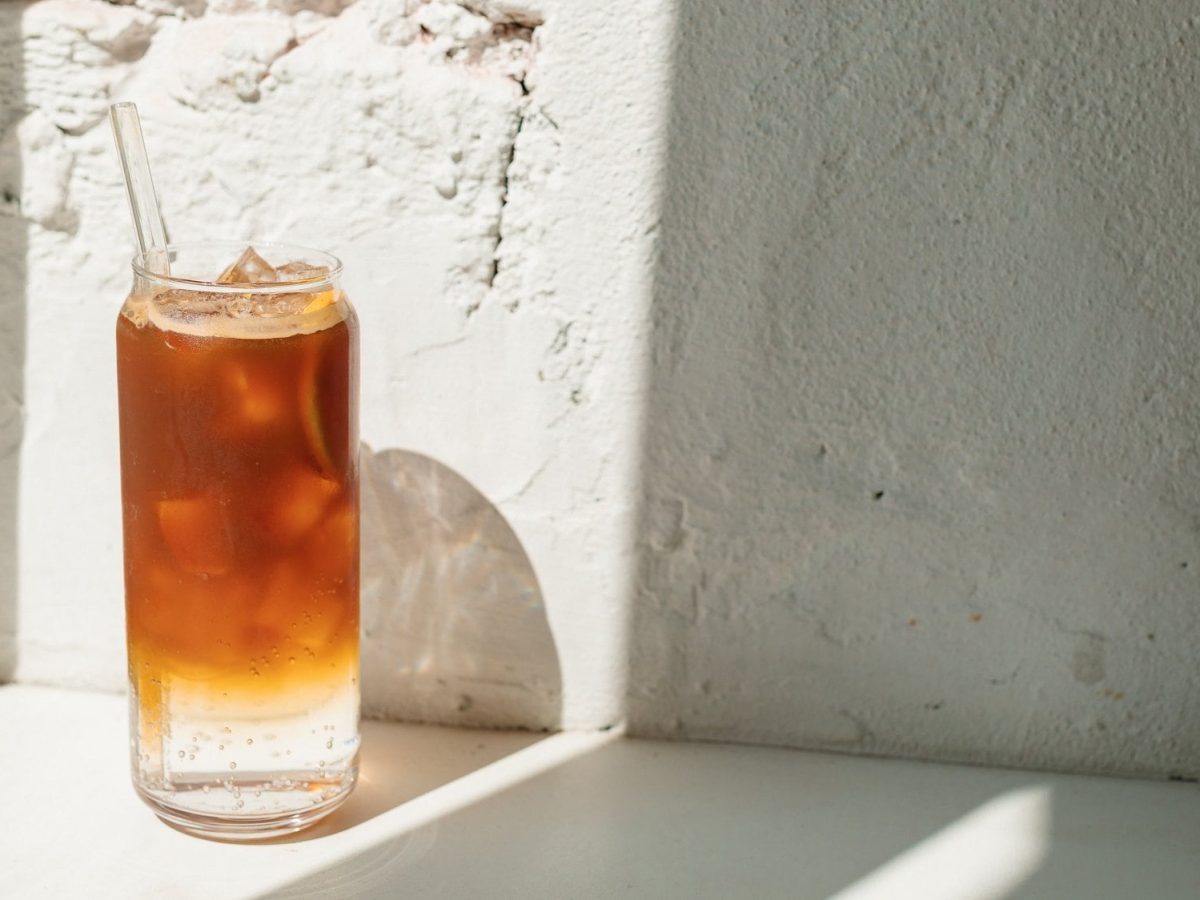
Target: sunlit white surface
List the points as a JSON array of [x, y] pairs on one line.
[[985, 855], [455, 813]]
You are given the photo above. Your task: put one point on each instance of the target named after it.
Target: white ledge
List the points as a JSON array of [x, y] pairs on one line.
[[455, 813]]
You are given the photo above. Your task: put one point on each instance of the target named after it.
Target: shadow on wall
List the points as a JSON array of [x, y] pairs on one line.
[[455, 630], [12, 322], [920, 417]]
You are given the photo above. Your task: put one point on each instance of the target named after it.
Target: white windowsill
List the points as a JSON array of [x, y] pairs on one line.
[[454, 813]]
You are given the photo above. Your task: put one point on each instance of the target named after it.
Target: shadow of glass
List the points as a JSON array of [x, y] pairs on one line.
[[12, 322], [454, 627], [399, 763], [384, 855]]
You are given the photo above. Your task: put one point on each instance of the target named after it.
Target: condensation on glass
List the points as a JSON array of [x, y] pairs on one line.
[[238, 389]]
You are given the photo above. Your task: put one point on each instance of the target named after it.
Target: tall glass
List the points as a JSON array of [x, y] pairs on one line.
[[238, 389]]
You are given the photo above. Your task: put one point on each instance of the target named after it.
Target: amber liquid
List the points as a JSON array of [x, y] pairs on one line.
[[239, 478]]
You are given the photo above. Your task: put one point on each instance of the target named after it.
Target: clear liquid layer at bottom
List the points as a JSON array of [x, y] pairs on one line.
[[240, 760]]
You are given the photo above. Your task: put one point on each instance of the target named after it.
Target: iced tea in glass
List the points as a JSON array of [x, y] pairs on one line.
[[238, 389]]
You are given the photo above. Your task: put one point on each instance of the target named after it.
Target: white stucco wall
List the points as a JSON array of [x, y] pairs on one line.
[[493, 238], [909, 463], [922, 462]]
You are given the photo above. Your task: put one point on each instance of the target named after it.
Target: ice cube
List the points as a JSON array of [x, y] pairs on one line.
[[285, 305], [182, 304], [331, 549], [250, 268], [291, 507], [193, 529], [294, 608], [261, 306], [301, 271], [254, 395]]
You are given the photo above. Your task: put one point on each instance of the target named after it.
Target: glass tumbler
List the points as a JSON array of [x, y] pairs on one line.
[[238, 396]]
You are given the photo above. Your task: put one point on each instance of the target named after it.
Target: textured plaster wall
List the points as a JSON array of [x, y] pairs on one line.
[[12, 333], [922, 468], [909, 464], [494, 245]]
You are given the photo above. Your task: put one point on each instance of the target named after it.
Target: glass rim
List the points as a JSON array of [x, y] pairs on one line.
[[235, 248]]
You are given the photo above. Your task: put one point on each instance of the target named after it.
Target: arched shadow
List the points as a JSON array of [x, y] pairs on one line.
[[12, 322], [455, 630]]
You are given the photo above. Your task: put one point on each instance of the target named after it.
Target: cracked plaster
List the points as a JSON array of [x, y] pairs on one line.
[[895, 500], [421, 142]]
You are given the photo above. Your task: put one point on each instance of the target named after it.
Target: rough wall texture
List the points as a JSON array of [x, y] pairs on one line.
[[12, 330], [919, 467], [922, 466], [445, 152]]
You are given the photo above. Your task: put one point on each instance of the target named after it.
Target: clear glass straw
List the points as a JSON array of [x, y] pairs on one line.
[[148, 226]]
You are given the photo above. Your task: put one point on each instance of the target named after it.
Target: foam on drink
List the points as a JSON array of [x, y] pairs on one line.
[[300, 300]]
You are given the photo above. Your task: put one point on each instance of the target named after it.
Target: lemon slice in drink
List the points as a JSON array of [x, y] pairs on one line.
[[324, 395], [320, 301], [310, 416]]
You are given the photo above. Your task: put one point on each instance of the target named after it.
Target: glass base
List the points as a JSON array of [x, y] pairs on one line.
[[251, 827]]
